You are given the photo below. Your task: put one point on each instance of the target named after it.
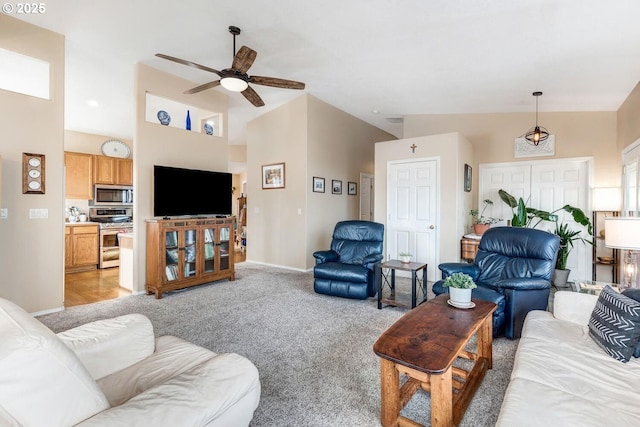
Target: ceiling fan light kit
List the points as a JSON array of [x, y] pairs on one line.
[[236, 79], [233, 84], [537, 134]]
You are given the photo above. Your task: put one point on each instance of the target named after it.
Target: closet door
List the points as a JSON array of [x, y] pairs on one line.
[[554, 185], [515, 179], [547, 185]]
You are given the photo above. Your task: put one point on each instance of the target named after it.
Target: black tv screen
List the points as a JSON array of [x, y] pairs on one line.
[[179, 192]]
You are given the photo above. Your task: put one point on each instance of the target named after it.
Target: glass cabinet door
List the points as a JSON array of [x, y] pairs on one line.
[[224, 248], [190, 252], [209, 250], [172, 255]]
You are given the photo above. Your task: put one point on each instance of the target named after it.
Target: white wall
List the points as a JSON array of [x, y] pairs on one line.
[[32, 250], [453, 151]]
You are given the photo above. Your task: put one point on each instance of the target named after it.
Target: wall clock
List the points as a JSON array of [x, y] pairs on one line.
[[32, 173]]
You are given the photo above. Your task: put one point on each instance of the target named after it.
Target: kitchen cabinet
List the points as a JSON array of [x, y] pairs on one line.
[[113, 170], [81, 247], [188, 252], [78, 175]]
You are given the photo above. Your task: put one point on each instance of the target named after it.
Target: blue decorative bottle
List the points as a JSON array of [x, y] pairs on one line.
[[188, 121]]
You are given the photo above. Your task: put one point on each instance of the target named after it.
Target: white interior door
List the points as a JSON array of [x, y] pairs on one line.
[[366, 197], [547, 185], [412, 197]]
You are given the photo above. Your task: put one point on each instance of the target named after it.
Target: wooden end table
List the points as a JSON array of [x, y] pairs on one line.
[[423, 344], [383, 279]]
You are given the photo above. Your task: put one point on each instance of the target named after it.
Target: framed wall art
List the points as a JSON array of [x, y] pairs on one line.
[[273, 176], [352, 188], [318, 184], [336, 186], [33, 181], [467, 178]]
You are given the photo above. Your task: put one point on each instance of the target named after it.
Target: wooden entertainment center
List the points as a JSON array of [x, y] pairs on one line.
[[188, 252]]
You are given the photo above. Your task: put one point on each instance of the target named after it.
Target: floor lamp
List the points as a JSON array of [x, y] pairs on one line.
[[623, 232]]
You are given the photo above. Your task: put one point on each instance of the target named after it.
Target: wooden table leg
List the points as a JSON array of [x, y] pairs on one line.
[[485, 341], [442, 399], [389, 393]]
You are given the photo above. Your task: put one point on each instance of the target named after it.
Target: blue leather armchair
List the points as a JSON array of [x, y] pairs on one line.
[[347, 269], [513, 268]]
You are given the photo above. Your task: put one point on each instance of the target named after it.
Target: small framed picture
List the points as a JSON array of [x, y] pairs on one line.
[[352, 188], [467, 178], [336, 186], [273, 176], [318, 184]]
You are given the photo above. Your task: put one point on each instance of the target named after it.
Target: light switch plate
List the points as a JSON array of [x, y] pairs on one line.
[[38, 213]]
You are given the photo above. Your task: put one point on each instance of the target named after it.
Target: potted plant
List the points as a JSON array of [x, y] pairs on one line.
[[480, 222], [567, 238], [405, 257], [460, 286]]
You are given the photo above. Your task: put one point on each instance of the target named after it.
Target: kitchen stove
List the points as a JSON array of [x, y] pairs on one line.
[[111, 221]]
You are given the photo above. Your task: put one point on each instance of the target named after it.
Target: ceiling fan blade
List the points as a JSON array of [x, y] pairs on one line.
[[189, 63], [253, 97], [244, 59], [202, 87], [272, 81]]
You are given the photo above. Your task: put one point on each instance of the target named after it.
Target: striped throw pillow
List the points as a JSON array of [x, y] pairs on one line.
[[615, 324]]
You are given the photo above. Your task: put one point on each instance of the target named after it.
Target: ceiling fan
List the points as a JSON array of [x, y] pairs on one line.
[[236, 78]]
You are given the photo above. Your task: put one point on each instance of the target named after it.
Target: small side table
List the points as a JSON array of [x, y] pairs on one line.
[[384, 279]]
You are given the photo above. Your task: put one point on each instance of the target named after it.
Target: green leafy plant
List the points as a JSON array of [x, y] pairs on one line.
[[524, 216], [567, 238], [460, 281], [405, 254], [478, 216]]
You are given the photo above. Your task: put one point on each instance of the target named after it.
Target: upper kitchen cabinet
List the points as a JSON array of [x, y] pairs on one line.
[[113, 170], [79, 175]]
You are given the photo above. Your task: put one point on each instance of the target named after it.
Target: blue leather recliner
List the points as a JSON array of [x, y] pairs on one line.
[[347, 269], [512, 268]]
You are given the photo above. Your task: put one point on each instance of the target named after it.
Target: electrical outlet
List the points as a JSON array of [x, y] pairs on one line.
[[4, 213]]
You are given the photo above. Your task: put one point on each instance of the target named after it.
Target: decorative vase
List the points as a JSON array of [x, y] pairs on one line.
[[560, 278], [405, 259], [459, 296], [188, 127], [164, 117], [479, 229]]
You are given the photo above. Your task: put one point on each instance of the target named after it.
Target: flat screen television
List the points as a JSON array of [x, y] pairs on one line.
[[181, 192]]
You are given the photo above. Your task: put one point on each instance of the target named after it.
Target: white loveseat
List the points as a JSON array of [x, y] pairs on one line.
[[562, 378], [115, 372]]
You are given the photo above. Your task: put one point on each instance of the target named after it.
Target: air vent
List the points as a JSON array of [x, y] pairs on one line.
[[397, 120]]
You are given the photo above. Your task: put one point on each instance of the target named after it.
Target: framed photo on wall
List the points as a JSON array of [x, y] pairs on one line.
[[467, 178], [336, 186], [318, 184], [352, 188], [273, 176]]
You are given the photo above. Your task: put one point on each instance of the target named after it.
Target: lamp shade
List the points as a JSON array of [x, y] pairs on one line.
[[606, 199], [622, 232]]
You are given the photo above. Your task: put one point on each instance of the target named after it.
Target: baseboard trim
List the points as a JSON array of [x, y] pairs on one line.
[[49, 311], [286, 267]]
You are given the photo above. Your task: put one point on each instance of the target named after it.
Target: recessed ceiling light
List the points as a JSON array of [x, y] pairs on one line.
[[374, 111], [93, 103]]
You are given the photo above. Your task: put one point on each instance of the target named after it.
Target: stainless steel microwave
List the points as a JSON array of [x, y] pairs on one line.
[[112, 195]]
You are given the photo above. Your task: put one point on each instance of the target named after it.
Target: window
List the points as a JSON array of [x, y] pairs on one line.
[[24, 74]]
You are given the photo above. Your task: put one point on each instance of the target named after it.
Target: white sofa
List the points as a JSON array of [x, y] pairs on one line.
[[562, 378], [115, 372]]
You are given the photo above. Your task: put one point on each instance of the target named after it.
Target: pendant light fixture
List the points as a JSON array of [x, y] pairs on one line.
[[537, 134]]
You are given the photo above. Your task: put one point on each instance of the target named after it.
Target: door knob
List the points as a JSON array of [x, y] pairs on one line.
[[431, 227]]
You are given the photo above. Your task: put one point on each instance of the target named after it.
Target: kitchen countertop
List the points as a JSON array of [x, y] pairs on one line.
[[75, 224]]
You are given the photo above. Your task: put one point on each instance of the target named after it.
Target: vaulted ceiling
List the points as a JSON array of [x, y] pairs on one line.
[[376, 59]]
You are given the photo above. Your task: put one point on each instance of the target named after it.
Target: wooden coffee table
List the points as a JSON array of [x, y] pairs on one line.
[[423, 344]]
